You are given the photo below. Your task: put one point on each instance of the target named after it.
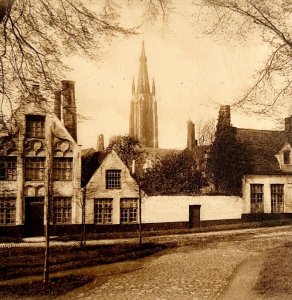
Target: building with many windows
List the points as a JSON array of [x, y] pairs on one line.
[[40, 164]]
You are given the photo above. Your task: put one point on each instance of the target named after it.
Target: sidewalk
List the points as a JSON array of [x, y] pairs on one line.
[[180, 238]]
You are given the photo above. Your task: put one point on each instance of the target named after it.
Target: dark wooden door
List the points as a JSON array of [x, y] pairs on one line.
[[34, 216], [194, 216]]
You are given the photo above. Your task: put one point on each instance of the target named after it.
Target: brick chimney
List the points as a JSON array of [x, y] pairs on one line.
[[58, 104], [224, 115], [100, 143], [288, 124], [191, 138], [69, 107], [35, 88]]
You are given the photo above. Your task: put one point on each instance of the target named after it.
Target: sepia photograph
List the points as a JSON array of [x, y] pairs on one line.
[[146, 149]]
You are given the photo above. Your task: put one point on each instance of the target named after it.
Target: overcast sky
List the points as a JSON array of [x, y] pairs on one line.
[[193, 76]]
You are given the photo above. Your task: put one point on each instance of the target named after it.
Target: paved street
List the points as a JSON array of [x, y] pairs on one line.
[[207, 271]]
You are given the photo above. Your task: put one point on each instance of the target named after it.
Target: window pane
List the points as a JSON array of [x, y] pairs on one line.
[[103, 211], [35, 168], [7, 211], [113, 179], [286, 157], [8, 167], [129, 210], [256, 198], [62, 168], [277, 198], [62, 210], [35, 126]]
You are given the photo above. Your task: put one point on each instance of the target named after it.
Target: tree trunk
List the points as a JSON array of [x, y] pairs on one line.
[[83, 207], [140, 217]]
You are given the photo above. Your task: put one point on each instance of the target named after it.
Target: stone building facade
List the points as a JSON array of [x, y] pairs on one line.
[[40, 166], [112, 194], [143, 109]]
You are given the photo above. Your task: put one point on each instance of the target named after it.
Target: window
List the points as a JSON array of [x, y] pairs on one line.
[[113, 179], [62, 168], [129, 210], [62, 209], [7, 211], [103, 211], [277, 198], [287, 157], [35, 126], [256, 198], [34, 168], [8, 168]]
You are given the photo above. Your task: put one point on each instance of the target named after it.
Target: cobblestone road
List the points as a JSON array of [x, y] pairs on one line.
[[186, 272]]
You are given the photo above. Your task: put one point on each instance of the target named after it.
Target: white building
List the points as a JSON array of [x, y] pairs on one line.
[[268, 188]]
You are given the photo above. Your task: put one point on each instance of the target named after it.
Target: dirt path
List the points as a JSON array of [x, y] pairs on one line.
[[242, 285]]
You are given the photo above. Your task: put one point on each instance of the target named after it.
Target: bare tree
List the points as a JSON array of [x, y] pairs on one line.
[[239, 20], [36, 35], [206, 131], [128, 148]]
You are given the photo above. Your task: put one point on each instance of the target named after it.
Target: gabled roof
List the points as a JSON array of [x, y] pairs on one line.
[[262, 146], [90, 162]]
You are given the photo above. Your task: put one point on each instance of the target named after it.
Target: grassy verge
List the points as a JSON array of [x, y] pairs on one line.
[[18, 262], [275, 277], [57, 286]]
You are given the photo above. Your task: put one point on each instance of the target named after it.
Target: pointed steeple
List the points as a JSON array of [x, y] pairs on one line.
[[153, 87], [133, 87], [143, 80]]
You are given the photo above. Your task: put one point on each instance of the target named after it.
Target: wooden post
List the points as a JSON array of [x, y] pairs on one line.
[[83, 207], [49, 166], [140, 216]]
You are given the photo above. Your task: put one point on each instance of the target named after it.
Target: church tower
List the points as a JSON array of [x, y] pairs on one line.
[[143, 112]]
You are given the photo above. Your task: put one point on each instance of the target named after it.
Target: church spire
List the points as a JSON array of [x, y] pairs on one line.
[[153, 87], [133, 87], [143, 80]]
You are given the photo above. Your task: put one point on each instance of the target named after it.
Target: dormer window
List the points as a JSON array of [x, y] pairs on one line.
[[287, 157]]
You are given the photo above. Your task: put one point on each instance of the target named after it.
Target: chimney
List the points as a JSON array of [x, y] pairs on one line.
[[191, 138], [35, 88], [224, 115], [57, 104], [288, 124], [69, 107], [100, 143]]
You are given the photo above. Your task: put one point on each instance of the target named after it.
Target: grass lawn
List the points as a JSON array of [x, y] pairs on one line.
[[19, 262], [275, 277]]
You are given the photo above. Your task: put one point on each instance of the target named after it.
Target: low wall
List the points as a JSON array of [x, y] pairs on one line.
[[159, 209]]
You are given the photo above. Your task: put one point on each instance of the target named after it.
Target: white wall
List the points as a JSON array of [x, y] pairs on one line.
[[176, 208], [267, 181]]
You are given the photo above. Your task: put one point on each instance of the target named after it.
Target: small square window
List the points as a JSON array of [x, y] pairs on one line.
[[62, 168], [62, 210], [35, 168], [113, 179], [35, 126]]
